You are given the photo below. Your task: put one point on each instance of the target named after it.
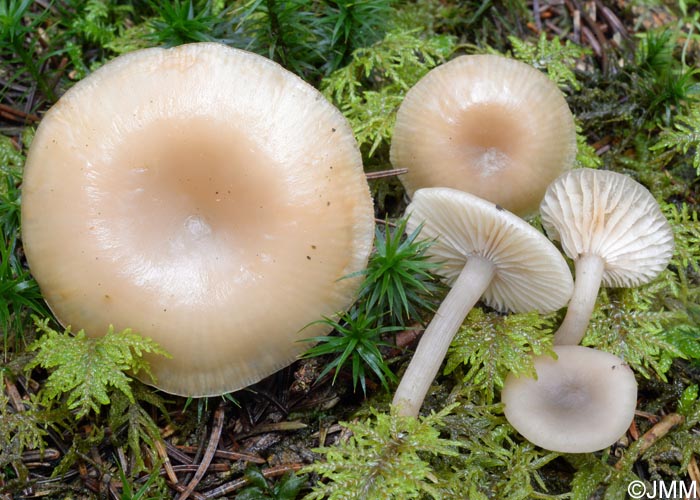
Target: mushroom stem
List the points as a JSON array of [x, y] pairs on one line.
[[589, 273], [466, 291]]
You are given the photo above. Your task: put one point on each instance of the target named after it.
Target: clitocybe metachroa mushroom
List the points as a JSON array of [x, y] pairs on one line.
[[485, 124], [613, 229], [205, 197], [583, 401], [485, 252]]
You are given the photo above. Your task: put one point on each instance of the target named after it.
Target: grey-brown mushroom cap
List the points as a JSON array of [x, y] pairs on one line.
[[486, 124], [204, 197], [530, 273], [610, 215], [581, 402]]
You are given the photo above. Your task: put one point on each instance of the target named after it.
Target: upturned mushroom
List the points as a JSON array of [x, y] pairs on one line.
[[581, 402], [485, 124], [613, 229], [204, 197], [485, 252]]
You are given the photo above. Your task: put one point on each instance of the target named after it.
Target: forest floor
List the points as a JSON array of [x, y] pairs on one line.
[[628, 70]]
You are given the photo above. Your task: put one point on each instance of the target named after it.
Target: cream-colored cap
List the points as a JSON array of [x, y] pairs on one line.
[[206, 198], [581, 402], [530, 273], [612, 216], [488, 125]]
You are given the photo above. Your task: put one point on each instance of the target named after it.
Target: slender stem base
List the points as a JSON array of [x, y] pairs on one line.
[[589, 273], [466, 291]]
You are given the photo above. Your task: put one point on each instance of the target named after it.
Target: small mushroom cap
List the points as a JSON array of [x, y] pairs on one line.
[[488, 125], [204, 197], [530, 272], [581, 402], [610, 215]]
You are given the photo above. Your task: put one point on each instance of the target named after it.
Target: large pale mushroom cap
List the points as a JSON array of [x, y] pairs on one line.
[[612, 216], [488, 125], [530, 273], [581, 402], [206, 198]]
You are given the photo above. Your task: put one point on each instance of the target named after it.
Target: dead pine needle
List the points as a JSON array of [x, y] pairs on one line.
[[208, 454], [386, 173]]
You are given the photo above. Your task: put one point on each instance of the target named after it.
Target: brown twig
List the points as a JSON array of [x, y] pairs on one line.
[[634, 430], [536, 14], [592, 32], [13, 395], [180, 488], [658, 431], [273, 427], [113, 491], [651, 417], [59, 73], [589, 38], [324, 431], [612, 20], [208, 454], [193, 468], [160, 448], [576, 15], [121, 457], [271, 399], [384, 222], [229, 455], [225, 489], [407, 336], [179, 453], [31, 456], [693, 472], [17, 115]]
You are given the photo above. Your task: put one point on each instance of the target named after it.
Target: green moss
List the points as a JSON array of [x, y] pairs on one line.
[[640, 112], [386, 457], [19, 431], [88, 371], [371, 87], [490, 345], [557, 59]]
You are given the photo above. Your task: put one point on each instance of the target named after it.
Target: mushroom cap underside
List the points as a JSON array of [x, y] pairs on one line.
[[583, 401], [204, 197], [611, 215], [530, 273], [485, 124]]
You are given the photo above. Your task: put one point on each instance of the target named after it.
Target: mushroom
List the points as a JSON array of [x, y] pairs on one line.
[[583, 401], [486, 252], [206, 198], [485, 124], [613, 229]]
